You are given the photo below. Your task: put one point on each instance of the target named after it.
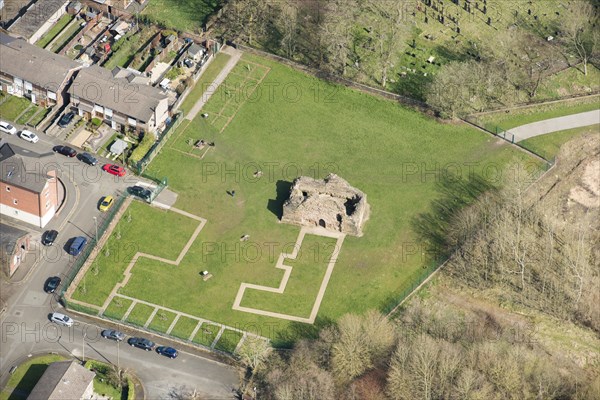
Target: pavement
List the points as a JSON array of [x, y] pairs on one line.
[[25, 327], [554, 125]]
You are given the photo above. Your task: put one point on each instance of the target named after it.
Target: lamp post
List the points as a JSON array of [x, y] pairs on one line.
[[83, 347], [96, 226]]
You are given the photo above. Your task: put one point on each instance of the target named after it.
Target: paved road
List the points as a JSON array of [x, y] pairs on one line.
[[24, 326], [555, 124]]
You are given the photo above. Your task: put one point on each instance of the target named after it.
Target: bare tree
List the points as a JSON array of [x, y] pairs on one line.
[[580, 34], [288, 25]]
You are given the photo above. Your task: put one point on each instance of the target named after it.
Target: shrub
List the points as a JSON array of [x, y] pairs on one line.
[[142, 148], [173, 73]]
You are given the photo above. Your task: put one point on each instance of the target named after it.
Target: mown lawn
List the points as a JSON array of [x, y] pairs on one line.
[[507, 120], [140, 314], [64, 37], [132, 44], [206, 334], [549, 144], [26, 376], [184, 327], [228, 341], [182, 15], [161, 321], [55, 30], [13, 107], [295, 125], [117, 308]]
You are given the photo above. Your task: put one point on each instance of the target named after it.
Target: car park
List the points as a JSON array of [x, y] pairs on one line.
[[140, 192], [106, 203], [7, 128], [49, 237], [29, 136], [52, 284], [141, 343], [65, 151], [167, 351], [114, 169], [87, 158], [77, 245], [66, 119], [113, 335], [61, 319]]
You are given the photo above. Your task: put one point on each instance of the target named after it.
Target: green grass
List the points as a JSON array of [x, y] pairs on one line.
[[507, 120], [549, 144], [570, 81], [164, 243], [26, 116], [101, 385], [187, 15], [132, 45], [13, 107], [381, 148], [206, 334], [64, 38], [55, 30], [208, 76], [26, 376], [39, 117], [228, 341], [117, 308], [140, 314], [184, 327], [161, 321]]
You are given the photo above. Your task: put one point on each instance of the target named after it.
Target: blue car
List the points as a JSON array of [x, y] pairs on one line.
[[167, 351], [77, 245]]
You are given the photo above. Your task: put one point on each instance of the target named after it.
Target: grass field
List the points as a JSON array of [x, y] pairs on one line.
[[12, 107], [55, 30], [131, 46], [208, 76], [26, 376], [117, 307], [206, 334], [507, 120], [292, 125], [548, 145], [161, 321], [184, 327], [182, 15], [26, 116], [228, 340], [140, 314], [65, 37]]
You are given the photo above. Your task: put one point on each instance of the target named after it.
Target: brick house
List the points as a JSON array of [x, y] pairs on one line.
[[20, 67], [27, 191], [14, 243], [120, 102]]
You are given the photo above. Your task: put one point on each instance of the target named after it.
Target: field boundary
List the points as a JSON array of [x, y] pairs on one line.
[[286, 275]]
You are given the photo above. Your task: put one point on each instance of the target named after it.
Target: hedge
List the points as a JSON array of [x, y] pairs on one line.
[[142, 148]]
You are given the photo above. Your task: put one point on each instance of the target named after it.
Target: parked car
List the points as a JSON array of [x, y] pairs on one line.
[[51, 284], [106, 204], [140, 192], [113, 334], [49, 237], [114, 169], [66, 119], [29, 136], [65, 151], [167, 351], [61, 319], [87, 158], [7, 128], [141, 343], [188, 63], [77, 245]]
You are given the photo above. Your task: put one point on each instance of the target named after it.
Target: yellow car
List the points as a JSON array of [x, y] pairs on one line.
[[107, 203]]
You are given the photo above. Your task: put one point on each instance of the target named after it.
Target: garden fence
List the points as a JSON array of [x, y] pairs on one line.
[[141, 165]]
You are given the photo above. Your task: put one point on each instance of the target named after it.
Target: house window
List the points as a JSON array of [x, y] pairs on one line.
[[131, 121], [47, 205], [108, 112], [8, 188], [51, 95], [47, 193], [15, 201]]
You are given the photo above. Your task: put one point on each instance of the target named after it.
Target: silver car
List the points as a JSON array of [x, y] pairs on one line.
[[113, 334], [8, 128], [61, 319]]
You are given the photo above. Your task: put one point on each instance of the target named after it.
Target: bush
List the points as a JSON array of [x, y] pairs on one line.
[[173, 73], [142, 148]]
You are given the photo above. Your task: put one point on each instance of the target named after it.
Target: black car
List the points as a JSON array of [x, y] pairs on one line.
[[87, 158], [66, 119], [113, 334], [51, 284], [65, 151], [49, 237], [141, 343], [140, 192], [167, 351]]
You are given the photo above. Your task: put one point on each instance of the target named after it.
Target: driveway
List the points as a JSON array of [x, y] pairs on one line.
[[25, 326], [555, 124]]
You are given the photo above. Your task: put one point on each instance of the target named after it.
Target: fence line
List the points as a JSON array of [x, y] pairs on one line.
[[141, 165]]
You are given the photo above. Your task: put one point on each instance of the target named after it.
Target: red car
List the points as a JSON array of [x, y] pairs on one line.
[[114, 169]]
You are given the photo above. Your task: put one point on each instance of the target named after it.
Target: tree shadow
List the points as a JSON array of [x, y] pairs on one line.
[[282, 194], [299, 330], [455, 193]]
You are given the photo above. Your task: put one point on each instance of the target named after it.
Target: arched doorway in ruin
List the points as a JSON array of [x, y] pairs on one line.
[[322, 223]]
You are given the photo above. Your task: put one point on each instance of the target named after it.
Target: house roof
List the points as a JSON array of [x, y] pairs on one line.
[[118, 146], [98, 85], [62, 380], [21, 167], [76, 5], [9, 235], [21, 59], [35, 17], [194, 49]]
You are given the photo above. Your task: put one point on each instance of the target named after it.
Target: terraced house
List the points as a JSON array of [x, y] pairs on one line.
[[34, 73]]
